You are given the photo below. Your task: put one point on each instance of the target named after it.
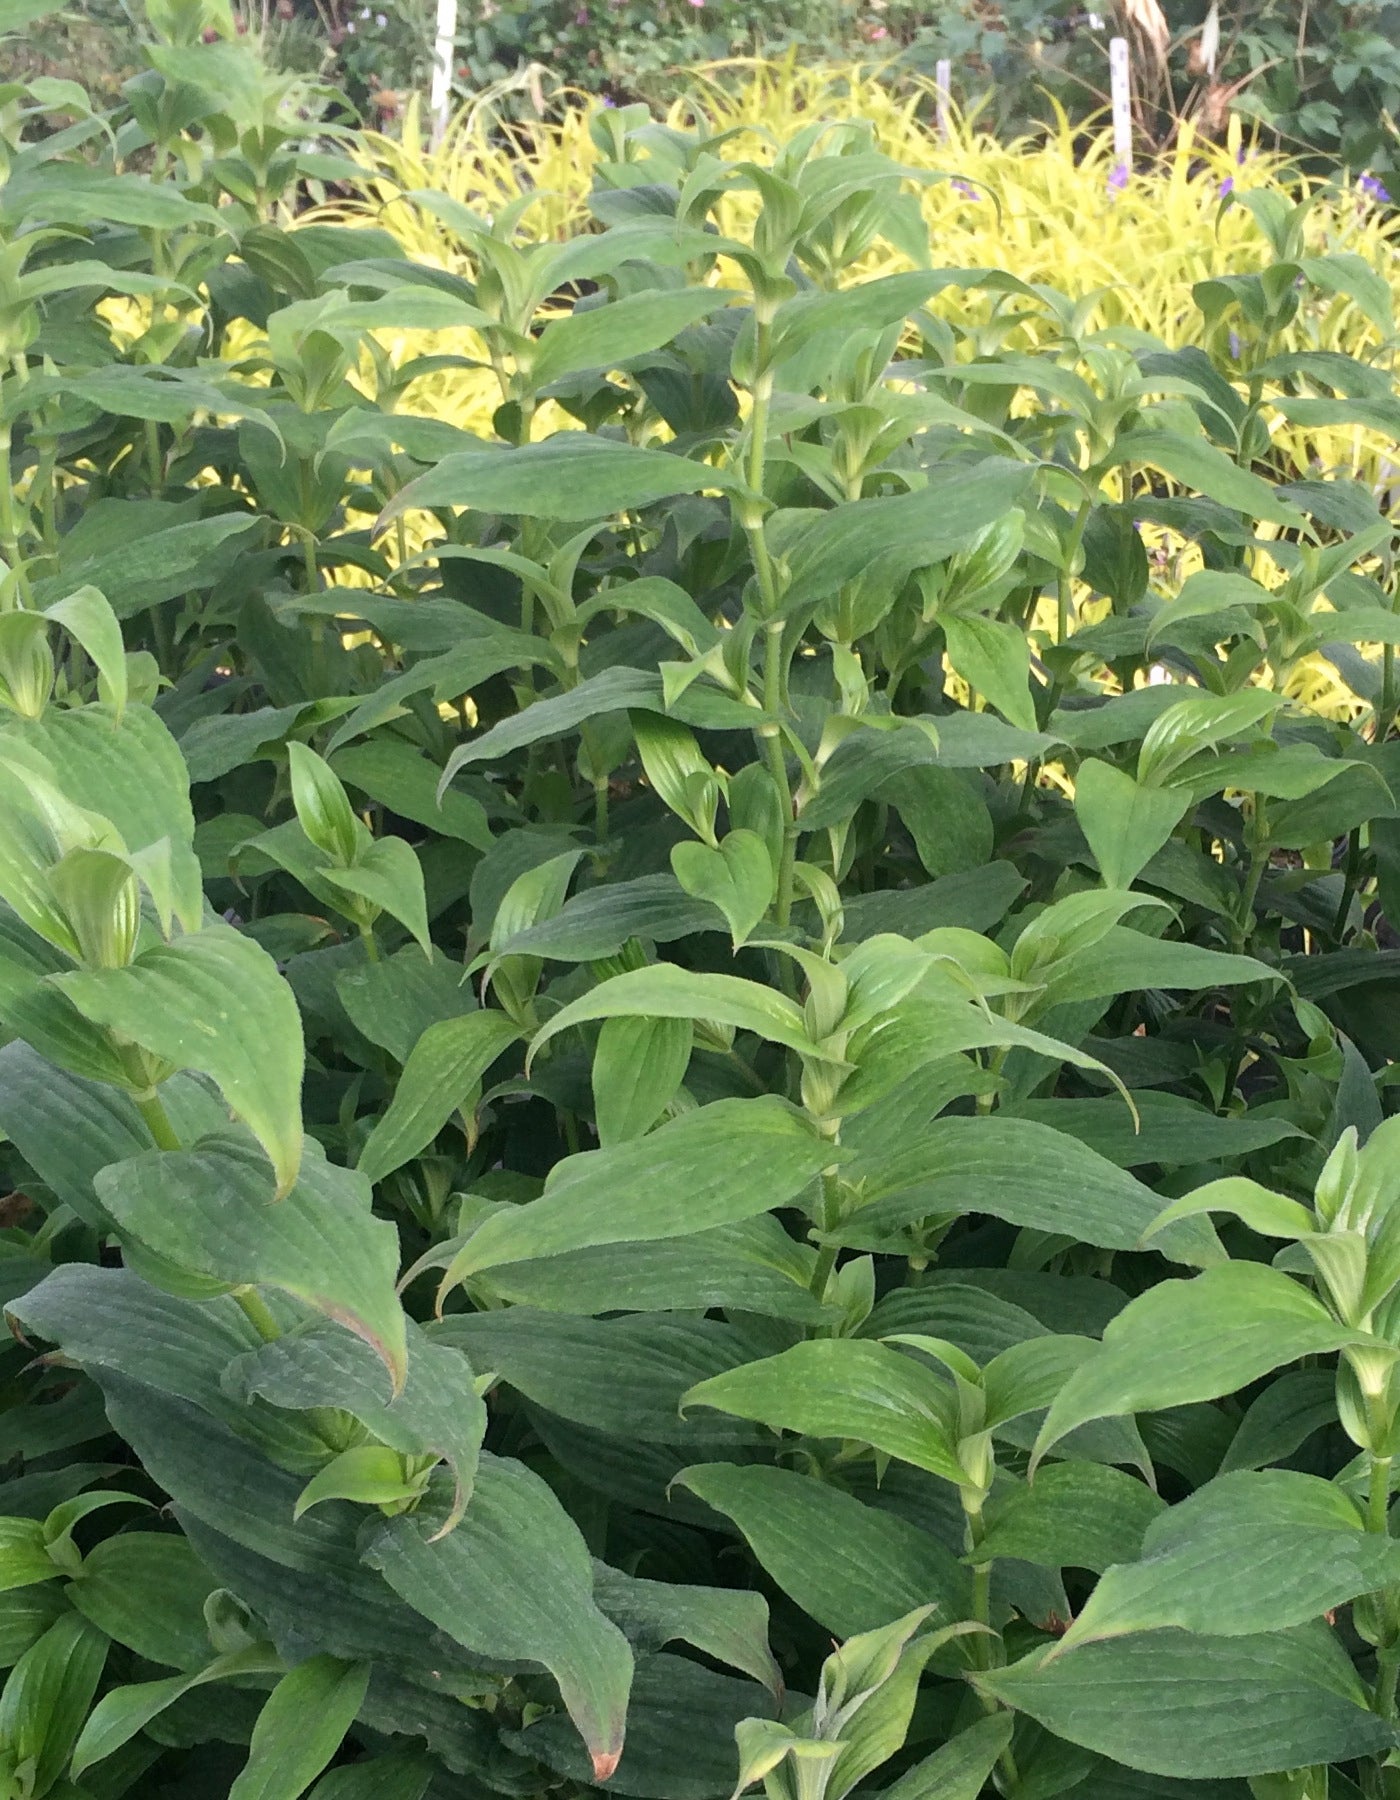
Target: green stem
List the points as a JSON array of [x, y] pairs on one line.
[[821, 1273], [777, 767], [1387, 1673], [152, 1110], [258, 1314], [370, 942], [1349, 881], [1378, 1495], [1008, 1775], [1258, 862], [767, 578], [9, 520], [1385, 717]]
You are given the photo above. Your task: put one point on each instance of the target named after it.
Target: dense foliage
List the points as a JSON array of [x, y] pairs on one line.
[[734, 1013]]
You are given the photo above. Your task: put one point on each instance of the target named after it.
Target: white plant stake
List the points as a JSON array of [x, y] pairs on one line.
[[1121, 87], [943, 95], [444, 46]]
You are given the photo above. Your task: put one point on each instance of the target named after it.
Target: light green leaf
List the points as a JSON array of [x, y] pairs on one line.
[[960, 1770], [572, 475], [1183, 1341], [120, 1714], [638, 1065], [665, 991], [845, 1388], [300, 1728], [1203, 469], [212, 1001], [738, 878], [442, 1076], [1249, 1552], [726, 1161], [1126, 823], [606, 337]]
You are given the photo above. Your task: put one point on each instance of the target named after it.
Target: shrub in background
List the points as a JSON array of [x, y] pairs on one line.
[[709, 1019]]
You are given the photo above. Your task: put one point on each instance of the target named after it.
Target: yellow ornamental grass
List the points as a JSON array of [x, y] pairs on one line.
[[1052, 209]]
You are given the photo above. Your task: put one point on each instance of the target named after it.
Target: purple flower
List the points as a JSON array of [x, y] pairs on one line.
[[1227, 186], [966, 188], [1118, 180], [1372, 188], [1235, 345], [581, 16], [1240, 156]]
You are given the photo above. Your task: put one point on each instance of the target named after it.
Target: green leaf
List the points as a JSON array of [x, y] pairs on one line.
[[438, 1413], [123, 1712], [726, 1161], [1077, 1515], [665, 991], [738, 878], [390, 877], [515, 1581], [724, 1623], [1025, 1173], [403, 1775], [638, 1065], [147, 1590], [606, 337], [24, 1558], [1183, 1341], [752, 1265], [86, 615], [851, 1567], [399, 779], [1249, 1552], [210, 1211], [1199, 466], [441, 1077], [47, 1697], [142, 573], [843, 1388], [214, 1002], [300, 1728], [570, 476], [993, 658], [1175, 1704], [1126, 823], [961, 1769]]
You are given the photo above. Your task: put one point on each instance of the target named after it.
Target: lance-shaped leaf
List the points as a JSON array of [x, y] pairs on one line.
[[851, 1566], [514, 1582], [123, 1712], [47, 1696], [1195, 1340], [727, 1161], [1249, 1552], [664, 991], [210, 1212], [845, 1388], [442, 1075], [726, 1623], [439, 1412], [1175, 1704], [300, 1728], [213, 1001], [572, 475], [960, 1770]]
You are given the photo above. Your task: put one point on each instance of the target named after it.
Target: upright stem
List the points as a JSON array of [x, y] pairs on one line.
[[152, 1110], [258, 1314], [9, 519], [766, 575]]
